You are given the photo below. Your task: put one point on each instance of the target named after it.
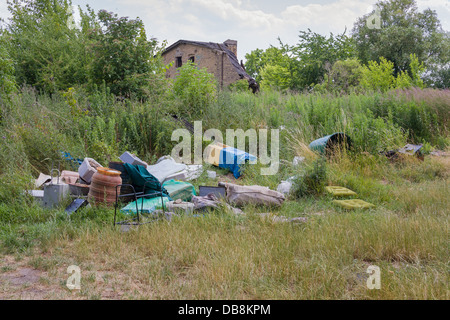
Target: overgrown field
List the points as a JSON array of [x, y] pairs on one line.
[[220, 255]]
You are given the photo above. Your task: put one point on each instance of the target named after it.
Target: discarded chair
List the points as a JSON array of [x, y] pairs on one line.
[[151, 188]]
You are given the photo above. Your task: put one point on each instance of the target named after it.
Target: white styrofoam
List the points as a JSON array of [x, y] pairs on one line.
[[129, 158], [165, 168], [86, 171]]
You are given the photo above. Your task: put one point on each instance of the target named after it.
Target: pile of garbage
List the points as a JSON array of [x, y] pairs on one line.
[[142, 188]]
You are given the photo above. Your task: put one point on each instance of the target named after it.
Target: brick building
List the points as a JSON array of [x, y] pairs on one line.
[[218, 58]]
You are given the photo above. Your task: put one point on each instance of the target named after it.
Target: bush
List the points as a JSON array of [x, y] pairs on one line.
[[7, 81]]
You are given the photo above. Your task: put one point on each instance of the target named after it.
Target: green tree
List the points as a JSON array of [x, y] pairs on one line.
[[52, 55], [49, 54], [123, 56], [258, 59], [275, 77], [344, 76], [403, 31], [300, 66], [315, 54], [380, 76], [195, 88], [7, 81]]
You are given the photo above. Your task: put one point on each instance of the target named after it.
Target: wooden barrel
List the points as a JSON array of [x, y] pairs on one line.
[[103, 186]]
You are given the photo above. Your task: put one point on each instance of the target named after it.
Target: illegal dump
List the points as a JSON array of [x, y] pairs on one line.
[[356, 186]]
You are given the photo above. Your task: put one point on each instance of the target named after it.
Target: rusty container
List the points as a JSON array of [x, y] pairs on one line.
[[103, 186]]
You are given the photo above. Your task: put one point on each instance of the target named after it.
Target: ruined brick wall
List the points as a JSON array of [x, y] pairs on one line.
[[213, 60]]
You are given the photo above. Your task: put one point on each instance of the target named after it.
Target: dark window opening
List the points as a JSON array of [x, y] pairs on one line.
[[191, 59], [179, 63]]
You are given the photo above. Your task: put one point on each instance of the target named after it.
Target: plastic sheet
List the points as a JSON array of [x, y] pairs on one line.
[[165, 167], [179, 190], [145, 205], [233, 159]]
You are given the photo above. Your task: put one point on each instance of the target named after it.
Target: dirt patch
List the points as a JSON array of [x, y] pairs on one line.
[[22, 276]]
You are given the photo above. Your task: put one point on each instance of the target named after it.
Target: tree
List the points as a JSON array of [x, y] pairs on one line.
[[343, 76], [299, 66], [53, 56], [258, 59], [123, 57], [380, 76], [48, 53], [316, 53], [7, 81], [403, 31], [275, 77]]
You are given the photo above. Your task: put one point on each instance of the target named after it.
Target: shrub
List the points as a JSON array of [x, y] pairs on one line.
[[311, 181], [195, 88], [7, 81]]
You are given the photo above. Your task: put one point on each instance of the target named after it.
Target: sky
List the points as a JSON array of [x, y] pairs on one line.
[[253, 23]]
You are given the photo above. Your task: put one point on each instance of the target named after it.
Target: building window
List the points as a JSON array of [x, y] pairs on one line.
[[191, 59], [178, 62]]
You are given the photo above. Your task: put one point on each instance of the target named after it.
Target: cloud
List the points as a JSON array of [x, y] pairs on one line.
[[443, 4], [233, 11], [442, 7], [4, 13], [247, 21], [333, 16]]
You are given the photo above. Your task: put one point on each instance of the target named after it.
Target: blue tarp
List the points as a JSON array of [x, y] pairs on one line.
[[232, 159]]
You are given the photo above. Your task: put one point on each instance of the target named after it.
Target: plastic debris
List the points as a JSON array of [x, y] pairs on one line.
[[42, 179], [69, 177], [217, 191], [211, 174], [180, 207], [191, 172], [327, 144], [297, 160], [242, 195], [285, 186], [145, 205], [179, 190], [38, 195], [129, 158], [87, 169], [353, 204], [54, 193], [76, 205], [211, 201], [165, 167], [233, 159], [340, 191], [409, 149]]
